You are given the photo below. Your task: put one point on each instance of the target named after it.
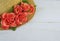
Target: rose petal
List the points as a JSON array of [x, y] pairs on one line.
[[23, 18], [31, 9], [17, 20], [4, 25], [25, 6], [17, 9], [13, 24]]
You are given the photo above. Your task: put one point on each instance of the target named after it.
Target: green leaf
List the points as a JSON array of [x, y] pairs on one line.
[[13, 28], [25, 1], [34, 5], [11, 9], [19, 3], [28, 11]]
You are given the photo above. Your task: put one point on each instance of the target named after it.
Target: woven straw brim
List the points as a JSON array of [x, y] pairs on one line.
[[5, 5]]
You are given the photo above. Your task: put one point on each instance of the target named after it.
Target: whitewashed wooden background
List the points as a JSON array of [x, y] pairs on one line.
[[44, 26]]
